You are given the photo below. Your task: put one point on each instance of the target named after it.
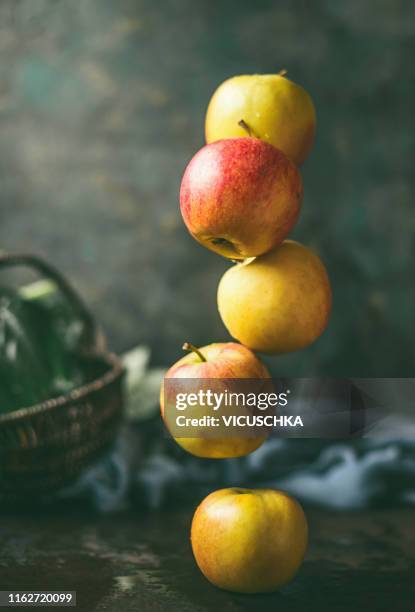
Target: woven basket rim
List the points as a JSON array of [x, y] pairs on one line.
[[116, 370]]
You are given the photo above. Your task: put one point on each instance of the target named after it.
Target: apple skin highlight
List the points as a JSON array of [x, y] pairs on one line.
[[240, 197]]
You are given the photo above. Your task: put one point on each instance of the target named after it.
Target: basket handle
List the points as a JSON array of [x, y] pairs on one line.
[[91, 336]]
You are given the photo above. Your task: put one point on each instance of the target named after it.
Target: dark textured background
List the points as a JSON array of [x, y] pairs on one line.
[[101, 106]]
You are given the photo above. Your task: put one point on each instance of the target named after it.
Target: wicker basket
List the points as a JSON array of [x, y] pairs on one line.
[[46, 446]]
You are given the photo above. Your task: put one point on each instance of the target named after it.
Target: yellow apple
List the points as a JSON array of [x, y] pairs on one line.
[[276, 303], [274, 108], [226, 360], [249, 540]]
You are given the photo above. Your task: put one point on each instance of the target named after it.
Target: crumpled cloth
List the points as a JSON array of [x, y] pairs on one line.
[[354, 474], [149, 470]]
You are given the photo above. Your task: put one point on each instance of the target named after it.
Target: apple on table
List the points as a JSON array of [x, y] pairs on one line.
[[249, 540]]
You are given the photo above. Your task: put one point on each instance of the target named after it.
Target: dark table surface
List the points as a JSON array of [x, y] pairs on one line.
[[359, 561]]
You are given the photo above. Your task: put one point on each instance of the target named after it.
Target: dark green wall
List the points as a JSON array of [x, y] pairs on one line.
[[102, 105]]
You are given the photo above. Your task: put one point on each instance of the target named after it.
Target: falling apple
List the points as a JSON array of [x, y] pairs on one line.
[[216, 361], [277, 303], [275, 109], [240, 197], [249, 540]]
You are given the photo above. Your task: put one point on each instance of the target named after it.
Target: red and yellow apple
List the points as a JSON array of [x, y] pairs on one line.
[[273, 107], [249, 540], [277, 303], [215, 361], [240, 197]]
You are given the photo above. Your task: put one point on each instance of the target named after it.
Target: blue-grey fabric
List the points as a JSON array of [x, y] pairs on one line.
[[340, 475]]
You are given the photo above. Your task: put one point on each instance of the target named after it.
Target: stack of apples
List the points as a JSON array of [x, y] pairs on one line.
[[240, 197]]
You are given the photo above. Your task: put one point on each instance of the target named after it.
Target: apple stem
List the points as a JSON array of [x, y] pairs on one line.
[[283, 72], [247, 128], [190, 347]]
